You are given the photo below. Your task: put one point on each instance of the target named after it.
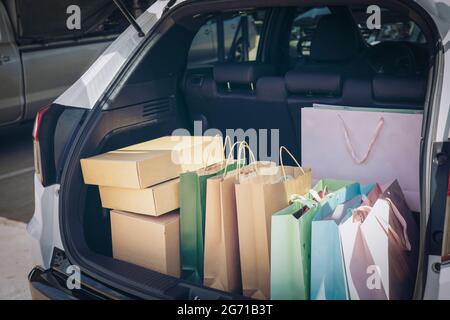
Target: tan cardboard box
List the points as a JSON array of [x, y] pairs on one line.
[[149, 163], [193, 152], [174, 142], [149, 242], [153, 201], [134, 169]]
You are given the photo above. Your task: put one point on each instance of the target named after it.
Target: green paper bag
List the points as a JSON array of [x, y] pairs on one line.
[[192, 219], [291, 244]]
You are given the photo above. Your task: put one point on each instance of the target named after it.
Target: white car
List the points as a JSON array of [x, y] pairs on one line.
[[145, 87]]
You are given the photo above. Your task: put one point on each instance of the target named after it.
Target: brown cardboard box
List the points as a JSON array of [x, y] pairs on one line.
[[150, 242], [134, 169], [173, 142], [153, 201], [193, 152], [149, 163]]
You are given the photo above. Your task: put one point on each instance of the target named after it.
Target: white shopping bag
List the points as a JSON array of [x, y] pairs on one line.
[[365, 146], [380, 244]]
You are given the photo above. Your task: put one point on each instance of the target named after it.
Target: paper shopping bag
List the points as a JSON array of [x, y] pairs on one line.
[[357, 258], [392, 238], [192, 219], [257, 199], [222, 269], [328, 279], [291, 241], [365, 146]]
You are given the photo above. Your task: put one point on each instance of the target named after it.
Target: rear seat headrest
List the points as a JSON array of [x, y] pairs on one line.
[[399, 89], [314, 83], [271, 89], [335, 39], [241, 73]]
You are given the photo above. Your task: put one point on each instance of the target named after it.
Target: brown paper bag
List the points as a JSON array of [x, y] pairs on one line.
[[222, 266], [221, 254], [258, 196]]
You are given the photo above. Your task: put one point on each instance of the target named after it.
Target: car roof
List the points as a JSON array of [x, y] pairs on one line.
[[86, 91]]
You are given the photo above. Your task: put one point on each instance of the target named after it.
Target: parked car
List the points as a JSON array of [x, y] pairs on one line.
[[142, 88], [235, 44], [40, 57]]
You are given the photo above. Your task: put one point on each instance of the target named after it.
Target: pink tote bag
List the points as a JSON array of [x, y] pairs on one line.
[[364, 146]]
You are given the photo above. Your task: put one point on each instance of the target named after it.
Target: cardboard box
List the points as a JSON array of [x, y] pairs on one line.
[[149, 242], [174, 142], [153, 201], [136, 170], [149, 163], [193, 152]]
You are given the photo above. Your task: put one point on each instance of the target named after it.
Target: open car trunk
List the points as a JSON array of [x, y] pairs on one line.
[[164, 92]]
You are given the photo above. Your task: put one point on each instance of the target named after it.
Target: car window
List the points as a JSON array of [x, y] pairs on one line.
[[97, 18], [228, 37], [394, 27], [303, 26]]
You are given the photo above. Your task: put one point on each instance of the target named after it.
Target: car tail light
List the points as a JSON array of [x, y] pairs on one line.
[[43, 143], [54, 128], [36, 146], [38, 121]]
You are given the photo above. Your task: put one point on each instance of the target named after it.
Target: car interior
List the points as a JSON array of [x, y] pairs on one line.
[[299, 57]]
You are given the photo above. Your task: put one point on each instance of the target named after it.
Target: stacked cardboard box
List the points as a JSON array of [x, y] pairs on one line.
[[140, 183]]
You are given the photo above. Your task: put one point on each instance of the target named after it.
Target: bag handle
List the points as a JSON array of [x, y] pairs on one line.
[[360, 214], [404, 241], [283, 148], [224, 149], [350, 146], [242, 147], [224, 146], [227, 140], [230, 156]]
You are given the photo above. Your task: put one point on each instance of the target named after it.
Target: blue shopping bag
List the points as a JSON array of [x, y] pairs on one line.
[[328, 280]]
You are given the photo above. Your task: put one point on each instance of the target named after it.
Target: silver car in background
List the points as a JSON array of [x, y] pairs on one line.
[[40, 57]]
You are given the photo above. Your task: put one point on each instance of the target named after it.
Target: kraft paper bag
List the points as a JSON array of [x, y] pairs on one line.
[[221, 260], [392, 239], [291, 241], [328, 279], [364, 146], [192, 219], [257, 199]]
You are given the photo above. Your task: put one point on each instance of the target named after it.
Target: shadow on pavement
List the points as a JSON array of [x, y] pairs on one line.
[[16, 173]]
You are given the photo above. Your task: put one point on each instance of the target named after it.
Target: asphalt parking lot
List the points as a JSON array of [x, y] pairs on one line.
[[16, 209], [16, 173]]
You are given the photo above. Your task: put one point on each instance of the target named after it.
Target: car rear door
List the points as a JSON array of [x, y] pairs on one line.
[[58, 43], [48, 72], [11, 99]]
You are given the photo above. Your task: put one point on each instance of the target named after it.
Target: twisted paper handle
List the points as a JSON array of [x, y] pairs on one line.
[[350, 148]]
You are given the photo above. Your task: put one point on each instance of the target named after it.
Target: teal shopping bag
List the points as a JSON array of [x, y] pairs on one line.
[[328, 280], [291, 242]]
